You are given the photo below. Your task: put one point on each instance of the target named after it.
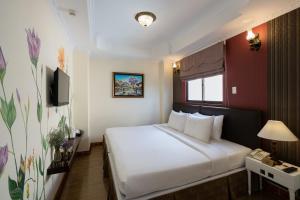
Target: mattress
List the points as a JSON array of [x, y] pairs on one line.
[[153, 158]]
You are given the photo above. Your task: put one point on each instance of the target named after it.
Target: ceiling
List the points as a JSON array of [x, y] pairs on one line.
[[108, 27]]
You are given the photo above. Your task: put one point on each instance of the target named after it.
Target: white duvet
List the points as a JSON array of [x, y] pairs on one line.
[[154, 158]]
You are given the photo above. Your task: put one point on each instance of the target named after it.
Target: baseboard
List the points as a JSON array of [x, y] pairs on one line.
[[84, 153]]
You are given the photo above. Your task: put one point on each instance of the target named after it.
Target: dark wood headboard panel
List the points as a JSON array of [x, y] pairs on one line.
[[240, 125]]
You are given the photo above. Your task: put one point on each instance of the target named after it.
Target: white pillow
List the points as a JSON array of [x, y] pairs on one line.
[[177, 120], [217, 127], [200, 128]]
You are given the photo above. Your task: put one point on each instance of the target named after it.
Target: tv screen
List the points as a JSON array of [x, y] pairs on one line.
[[60, 88]]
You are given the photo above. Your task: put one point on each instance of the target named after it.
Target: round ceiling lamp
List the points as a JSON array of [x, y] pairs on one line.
[[145, 18]]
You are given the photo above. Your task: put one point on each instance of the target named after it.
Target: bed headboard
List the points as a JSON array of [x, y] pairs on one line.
[[240, 125]]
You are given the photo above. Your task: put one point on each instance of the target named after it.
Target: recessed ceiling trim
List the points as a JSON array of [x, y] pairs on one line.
[[170, 35], [91, 19]]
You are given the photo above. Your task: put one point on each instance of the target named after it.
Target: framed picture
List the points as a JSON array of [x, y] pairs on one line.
[[128, 85]]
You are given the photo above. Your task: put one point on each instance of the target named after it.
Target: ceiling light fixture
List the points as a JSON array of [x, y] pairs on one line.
[[145, 18]]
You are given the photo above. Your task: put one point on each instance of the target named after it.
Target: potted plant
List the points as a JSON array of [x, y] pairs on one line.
[[56, 139], [67, 148], [63, 126]]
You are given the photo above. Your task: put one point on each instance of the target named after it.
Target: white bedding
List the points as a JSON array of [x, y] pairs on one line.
[[153, 158], [234, 153]]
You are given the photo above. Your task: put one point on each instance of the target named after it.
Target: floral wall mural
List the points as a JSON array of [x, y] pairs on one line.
[[3, 158], [61, 58], [19, 182], [29, 46]]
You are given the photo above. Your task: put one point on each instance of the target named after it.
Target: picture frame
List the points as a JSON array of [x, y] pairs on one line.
[[127, 85]]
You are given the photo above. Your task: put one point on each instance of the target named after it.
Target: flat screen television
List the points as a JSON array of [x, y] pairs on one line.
[[60, 88]]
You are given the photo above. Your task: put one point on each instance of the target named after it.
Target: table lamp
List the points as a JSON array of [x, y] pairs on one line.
[[276, 131]]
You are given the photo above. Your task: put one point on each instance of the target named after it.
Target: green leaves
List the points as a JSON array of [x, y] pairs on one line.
[[41, 167], [3, 109], [15, 192], [11, 113], [8, 111], [16, 188], [44, 143], [62, 122], [39, 111], [21, 176], [2, 74]]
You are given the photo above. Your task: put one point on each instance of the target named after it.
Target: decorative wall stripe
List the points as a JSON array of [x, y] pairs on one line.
[[284, 78]]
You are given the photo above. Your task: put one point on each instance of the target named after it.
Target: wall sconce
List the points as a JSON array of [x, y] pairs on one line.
[[254, 41], [176, 68]]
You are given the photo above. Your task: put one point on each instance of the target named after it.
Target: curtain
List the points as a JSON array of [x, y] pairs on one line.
[[207, 62]]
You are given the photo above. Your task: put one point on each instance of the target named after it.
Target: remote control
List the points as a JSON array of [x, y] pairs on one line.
[[290, 169]]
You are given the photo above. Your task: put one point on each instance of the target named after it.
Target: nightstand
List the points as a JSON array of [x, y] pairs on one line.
[[288, 180]]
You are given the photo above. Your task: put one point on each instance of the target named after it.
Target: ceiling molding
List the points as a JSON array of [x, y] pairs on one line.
[[217, 16], [215, 37], [96, 30], [91, 18]]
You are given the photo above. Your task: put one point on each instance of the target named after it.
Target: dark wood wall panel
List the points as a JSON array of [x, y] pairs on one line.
[[284, 78], [178, 89]]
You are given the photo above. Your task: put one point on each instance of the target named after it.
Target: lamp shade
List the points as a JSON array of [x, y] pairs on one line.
[[277, 130]]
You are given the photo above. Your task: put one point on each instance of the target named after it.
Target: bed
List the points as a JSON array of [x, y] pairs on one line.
[[146, 162]]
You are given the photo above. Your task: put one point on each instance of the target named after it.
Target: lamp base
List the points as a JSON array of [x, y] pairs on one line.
[[270, 161], [273, 154]]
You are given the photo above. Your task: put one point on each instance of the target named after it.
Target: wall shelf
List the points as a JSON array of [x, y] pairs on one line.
[[65, 166]]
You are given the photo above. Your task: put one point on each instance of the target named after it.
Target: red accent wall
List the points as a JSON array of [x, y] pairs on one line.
[[247, 70]]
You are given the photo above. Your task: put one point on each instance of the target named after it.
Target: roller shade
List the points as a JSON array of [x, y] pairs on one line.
[[207, 62]]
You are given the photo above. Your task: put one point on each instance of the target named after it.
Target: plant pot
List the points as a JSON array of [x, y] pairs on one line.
[[57, 155]]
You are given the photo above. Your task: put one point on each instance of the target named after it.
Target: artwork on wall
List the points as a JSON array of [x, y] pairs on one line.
[[26, 179], [61, 58], [128, 85]]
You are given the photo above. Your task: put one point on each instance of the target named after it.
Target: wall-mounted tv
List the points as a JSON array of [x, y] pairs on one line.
[[60, 88]]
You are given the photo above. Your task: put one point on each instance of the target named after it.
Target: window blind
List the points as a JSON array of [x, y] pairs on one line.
[[207, 62]]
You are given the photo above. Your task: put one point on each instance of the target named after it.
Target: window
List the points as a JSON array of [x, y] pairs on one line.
[[206, 89]]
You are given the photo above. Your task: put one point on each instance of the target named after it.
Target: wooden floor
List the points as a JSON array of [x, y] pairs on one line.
[[85, 180]]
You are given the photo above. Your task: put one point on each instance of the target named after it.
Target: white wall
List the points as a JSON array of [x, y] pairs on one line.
[[166, 89], [15, 17], [106, 111], [81, 96]]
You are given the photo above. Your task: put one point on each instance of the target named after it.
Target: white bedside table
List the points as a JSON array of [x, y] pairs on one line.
[[291, 181]]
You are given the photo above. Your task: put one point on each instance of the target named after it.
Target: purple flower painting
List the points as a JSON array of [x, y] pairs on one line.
[[3, 157], [2, 65], [2, 60], [34, 44]]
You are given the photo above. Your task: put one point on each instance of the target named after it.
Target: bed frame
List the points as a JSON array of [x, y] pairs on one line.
[[239, 126]]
